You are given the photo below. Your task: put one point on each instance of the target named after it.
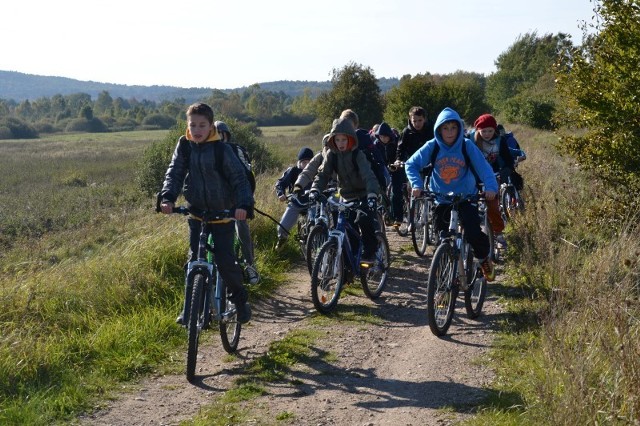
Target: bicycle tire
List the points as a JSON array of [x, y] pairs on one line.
[[327, 277], [419, 230], [476, 292], [403, 229], [228, 325], [442, 290], [374, 279], [488, 230], [316, 239], [476, 289], [196, 318]]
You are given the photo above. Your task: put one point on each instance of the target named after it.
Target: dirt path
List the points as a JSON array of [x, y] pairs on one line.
[[393, 373]]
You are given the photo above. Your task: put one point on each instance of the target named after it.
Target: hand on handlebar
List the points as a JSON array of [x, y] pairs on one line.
[[167, 207], [240, 214], [489, 195], [416, 192]]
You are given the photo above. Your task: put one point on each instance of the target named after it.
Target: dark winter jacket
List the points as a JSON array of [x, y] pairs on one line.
[[193, 172], [411, 139]]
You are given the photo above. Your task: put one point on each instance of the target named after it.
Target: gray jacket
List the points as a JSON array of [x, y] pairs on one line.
[[193, 171]]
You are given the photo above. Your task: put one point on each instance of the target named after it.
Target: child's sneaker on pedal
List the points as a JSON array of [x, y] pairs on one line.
[[180, 319], [281, 242], [487, 269], [252, 275], [243, 312], [502, 242]]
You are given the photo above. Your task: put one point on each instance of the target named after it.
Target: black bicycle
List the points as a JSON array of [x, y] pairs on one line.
[[401, 228], [454, 267], [208, 296], [422, 222]]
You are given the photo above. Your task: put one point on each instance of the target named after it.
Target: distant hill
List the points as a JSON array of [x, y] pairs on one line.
[[19, 86]]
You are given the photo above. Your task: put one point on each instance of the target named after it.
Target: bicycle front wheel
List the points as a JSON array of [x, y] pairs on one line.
[[316, 239], [420, 227], [327, 277], [228, 325], [196, 319], [374, 278], [442, 290]]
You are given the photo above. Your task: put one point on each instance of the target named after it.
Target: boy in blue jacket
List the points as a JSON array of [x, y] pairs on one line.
[[451, 173]]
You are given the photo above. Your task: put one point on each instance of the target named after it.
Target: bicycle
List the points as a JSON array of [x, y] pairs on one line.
[[422, 222], [319, 233], [338, 262], [403, 228], [304, 222], [485, 225], [510, 201], [207, 302], [454, 267]]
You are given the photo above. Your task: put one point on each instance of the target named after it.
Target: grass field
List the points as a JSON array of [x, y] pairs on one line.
[[91, 280]]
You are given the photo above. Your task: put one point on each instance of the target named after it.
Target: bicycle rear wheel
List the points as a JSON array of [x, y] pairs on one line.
[[442, 290], [196, 319], [420, 227], [488, 230], [327, 277], [374, 278], [229, 326], [476, 292], [317, 237]]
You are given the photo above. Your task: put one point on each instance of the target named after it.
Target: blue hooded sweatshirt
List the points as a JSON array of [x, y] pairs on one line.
[[450, 172]]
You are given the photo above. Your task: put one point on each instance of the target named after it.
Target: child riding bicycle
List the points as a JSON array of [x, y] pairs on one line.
[[451, 173], [354, 183], [193, 167]]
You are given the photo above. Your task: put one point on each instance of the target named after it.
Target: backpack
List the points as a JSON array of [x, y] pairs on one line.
[[243, 156], [365, 144], [240, 152]]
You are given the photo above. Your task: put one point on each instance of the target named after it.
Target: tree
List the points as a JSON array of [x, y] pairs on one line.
[[354, 87], [522, 88], [599, 89], [462, 91]]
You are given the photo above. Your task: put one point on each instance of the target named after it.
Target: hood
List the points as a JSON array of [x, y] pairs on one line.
[[385, 130], [213, 135], [343, 126], [445, 115]]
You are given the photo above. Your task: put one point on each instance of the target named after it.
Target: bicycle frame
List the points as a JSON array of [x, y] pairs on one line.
[[344, 229]]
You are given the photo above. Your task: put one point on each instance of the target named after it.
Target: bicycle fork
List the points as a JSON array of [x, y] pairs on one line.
[[460, 251], [193, 268]]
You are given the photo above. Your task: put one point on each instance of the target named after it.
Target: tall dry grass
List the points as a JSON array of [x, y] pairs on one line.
[[578, 356]]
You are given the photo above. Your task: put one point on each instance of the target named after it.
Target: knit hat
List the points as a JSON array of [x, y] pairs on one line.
[[305, 154], [484, 121]]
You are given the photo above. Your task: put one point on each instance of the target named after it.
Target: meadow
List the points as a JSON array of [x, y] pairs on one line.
[[90, 275], [91, 281]]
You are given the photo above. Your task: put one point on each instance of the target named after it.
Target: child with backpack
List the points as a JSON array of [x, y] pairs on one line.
[[193, 170], [456, 164], [353, 183], [517, 153], [242, 226], [496, 151], [285, 184]]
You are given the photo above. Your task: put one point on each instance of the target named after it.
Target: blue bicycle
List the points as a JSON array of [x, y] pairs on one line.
[[338, 262]]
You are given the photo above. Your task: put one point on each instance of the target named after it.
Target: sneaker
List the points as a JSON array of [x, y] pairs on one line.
[[243, 312], [487, 269], [502, 242], [252, 275], [281, 242], [180, 319]]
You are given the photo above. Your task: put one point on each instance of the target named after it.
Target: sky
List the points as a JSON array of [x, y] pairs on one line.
[[226, 44]]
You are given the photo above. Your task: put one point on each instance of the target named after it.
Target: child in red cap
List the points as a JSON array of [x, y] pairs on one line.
[[486, 137]]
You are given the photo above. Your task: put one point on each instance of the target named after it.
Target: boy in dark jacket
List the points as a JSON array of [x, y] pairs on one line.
[[193, 170], [353, 184], [285, 184], [386, 143], [417, 132]]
